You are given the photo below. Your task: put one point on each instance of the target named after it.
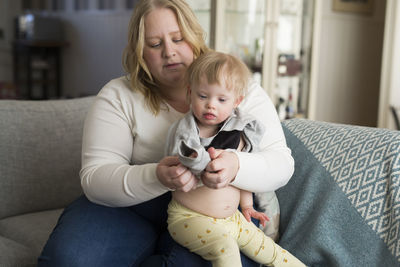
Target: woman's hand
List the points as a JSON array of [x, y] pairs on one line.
[[250, 212], [221, 170], [172, 174]]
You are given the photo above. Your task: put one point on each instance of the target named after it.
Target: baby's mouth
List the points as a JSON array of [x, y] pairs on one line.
[[209, 116]]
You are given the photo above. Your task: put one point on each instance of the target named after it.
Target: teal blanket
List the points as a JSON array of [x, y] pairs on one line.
[[342, 205]]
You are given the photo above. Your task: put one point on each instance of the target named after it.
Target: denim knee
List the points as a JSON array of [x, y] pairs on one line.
[[92, 235]]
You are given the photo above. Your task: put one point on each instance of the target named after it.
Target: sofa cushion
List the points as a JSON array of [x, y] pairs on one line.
[[40, 148], [15, 254], [30, 230], [341, 207]]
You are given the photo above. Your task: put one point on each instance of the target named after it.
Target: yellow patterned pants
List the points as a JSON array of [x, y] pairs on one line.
[[221, 240]]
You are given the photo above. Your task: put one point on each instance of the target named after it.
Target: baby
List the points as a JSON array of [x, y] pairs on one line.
[[207, 221]]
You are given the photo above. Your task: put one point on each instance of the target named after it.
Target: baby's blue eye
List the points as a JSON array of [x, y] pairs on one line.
[[222, 100], [202, 96]]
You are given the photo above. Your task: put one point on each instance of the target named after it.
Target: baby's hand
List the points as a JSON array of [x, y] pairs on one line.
[[250, 212]]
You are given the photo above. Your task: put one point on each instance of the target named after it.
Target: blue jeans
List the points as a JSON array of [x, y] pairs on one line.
[[88, 234]]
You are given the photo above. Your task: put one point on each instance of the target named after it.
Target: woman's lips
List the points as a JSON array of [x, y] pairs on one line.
[[172, 65]]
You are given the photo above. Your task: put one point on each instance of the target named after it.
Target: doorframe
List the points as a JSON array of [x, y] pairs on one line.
[[315, 52], [389, 63]]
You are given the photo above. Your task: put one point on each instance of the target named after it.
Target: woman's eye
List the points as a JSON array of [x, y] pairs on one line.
[[155, 45], [178, 40]]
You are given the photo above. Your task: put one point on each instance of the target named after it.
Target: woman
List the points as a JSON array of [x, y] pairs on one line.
[[121, 220]]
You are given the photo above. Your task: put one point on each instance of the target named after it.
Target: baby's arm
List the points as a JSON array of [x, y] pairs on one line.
[[246, 204], [246, 201], [183, 142]]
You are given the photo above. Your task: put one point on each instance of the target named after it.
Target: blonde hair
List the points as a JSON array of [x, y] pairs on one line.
[[141, 79], [215, 66]]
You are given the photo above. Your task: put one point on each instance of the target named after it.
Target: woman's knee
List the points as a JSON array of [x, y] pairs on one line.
[[175, 255], [92, 235]]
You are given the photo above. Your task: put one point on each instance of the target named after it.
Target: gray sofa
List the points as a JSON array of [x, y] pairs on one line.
[[40, 148], [341, 207]]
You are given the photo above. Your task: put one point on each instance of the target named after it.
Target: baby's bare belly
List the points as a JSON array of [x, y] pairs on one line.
[[216, 203]]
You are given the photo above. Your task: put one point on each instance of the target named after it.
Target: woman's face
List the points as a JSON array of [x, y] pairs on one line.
[[165, 52]]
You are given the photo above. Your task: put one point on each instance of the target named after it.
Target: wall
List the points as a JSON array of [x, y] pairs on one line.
[[96, 41], [348, 63], [94, 54]]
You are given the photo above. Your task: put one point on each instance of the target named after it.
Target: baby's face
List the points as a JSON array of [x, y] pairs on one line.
[[212, 103]]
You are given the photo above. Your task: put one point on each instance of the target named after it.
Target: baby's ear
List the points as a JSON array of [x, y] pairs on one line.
[[238, 100], [189, 91]]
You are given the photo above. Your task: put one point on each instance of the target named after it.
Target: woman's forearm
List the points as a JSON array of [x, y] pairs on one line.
[[120, 185], [264, 171]]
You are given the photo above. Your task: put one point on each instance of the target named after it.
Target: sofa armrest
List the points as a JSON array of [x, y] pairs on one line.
[[342, 205], [40, 153]]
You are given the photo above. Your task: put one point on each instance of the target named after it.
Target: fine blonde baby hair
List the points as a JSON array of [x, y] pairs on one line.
[[215, 66]]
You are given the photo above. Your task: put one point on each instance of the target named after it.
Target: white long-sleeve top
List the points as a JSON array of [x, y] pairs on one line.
[[123, 142]]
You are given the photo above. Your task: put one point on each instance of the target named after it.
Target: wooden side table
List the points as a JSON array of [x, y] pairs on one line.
[[37, 68]]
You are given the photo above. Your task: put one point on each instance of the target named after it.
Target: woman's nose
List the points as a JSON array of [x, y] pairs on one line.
[[169, 49]]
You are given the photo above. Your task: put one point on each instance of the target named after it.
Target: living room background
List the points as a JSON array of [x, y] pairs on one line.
[[347, 81]]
